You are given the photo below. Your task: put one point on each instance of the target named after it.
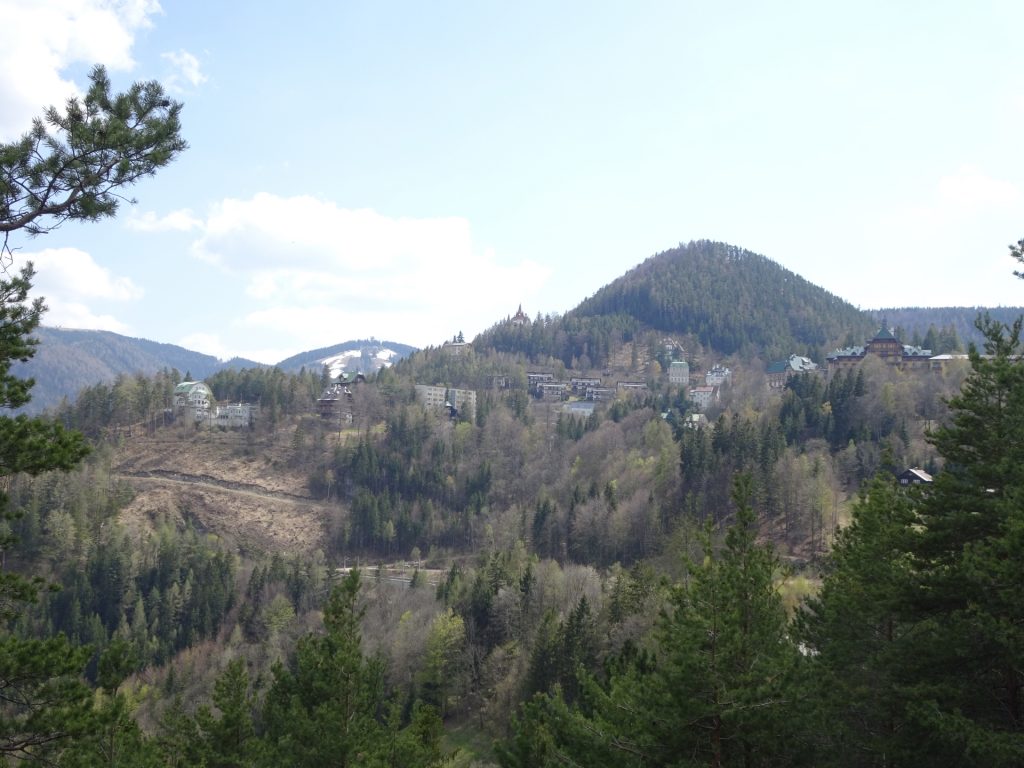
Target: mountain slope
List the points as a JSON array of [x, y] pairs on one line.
[[726, 298], [729, 298], [365, 355]]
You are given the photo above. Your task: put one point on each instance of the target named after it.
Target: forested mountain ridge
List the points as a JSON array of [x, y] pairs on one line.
[[68, 360], [725, 298]]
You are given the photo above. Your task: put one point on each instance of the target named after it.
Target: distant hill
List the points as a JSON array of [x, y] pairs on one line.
[[728, 299], [68, 360], [363, 355]]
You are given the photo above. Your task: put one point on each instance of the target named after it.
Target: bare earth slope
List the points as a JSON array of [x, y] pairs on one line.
[[237, 485]]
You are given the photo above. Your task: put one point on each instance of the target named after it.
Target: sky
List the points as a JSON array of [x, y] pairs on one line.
[[410, 170]]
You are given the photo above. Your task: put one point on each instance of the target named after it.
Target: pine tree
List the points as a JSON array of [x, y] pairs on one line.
[[47, 701], [75, 165], [917, 637], [228, 737]]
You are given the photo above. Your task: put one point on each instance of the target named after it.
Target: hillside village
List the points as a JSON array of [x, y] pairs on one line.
[[574, 396], [579, 395]]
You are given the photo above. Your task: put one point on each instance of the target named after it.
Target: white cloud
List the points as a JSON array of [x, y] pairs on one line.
[[207, 343], [957, 199], [303, 231], [43, 37], [71, 283], [72, 273], [175, 221], [324, 274], [186, 67], [65, 314]]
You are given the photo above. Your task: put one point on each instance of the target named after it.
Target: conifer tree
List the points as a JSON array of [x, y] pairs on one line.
[[964, 656], [75, 164], [228, 736]]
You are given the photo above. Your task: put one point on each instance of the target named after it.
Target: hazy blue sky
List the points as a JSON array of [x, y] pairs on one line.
[[408, 170]]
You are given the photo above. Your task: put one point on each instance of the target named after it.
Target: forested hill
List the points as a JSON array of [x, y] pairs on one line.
[[724, 297]]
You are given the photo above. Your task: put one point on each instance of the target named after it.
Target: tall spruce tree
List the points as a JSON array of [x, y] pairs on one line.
[[964, 655], [43, 700], [917, 637]]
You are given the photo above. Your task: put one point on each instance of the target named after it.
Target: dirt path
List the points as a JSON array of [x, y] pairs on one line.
[[248, 489]]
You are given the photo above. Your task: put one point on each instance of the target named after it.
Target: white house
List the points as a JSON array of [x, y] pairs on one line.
[[193, 394]]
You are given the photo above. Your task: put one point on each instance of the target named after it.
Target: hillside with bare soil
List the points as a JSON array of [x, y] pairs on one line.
[[238, 485]]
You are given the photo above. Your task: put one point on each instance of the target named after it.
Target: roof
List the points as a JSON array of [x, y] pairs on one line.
[[187, 386], [884, 334], [846, 352], [920, 474], [795, 363], [911, 351]]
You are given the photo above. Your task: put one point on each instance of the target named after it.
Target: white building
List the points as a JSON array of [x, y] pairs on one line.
[[718, 376], [193, 394], [463, 400], [235, 415]]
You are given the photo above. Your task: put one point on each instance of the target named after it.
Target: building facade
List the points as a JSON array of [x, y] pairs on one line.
[[679, 374], [885, 346], [462, 400]]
